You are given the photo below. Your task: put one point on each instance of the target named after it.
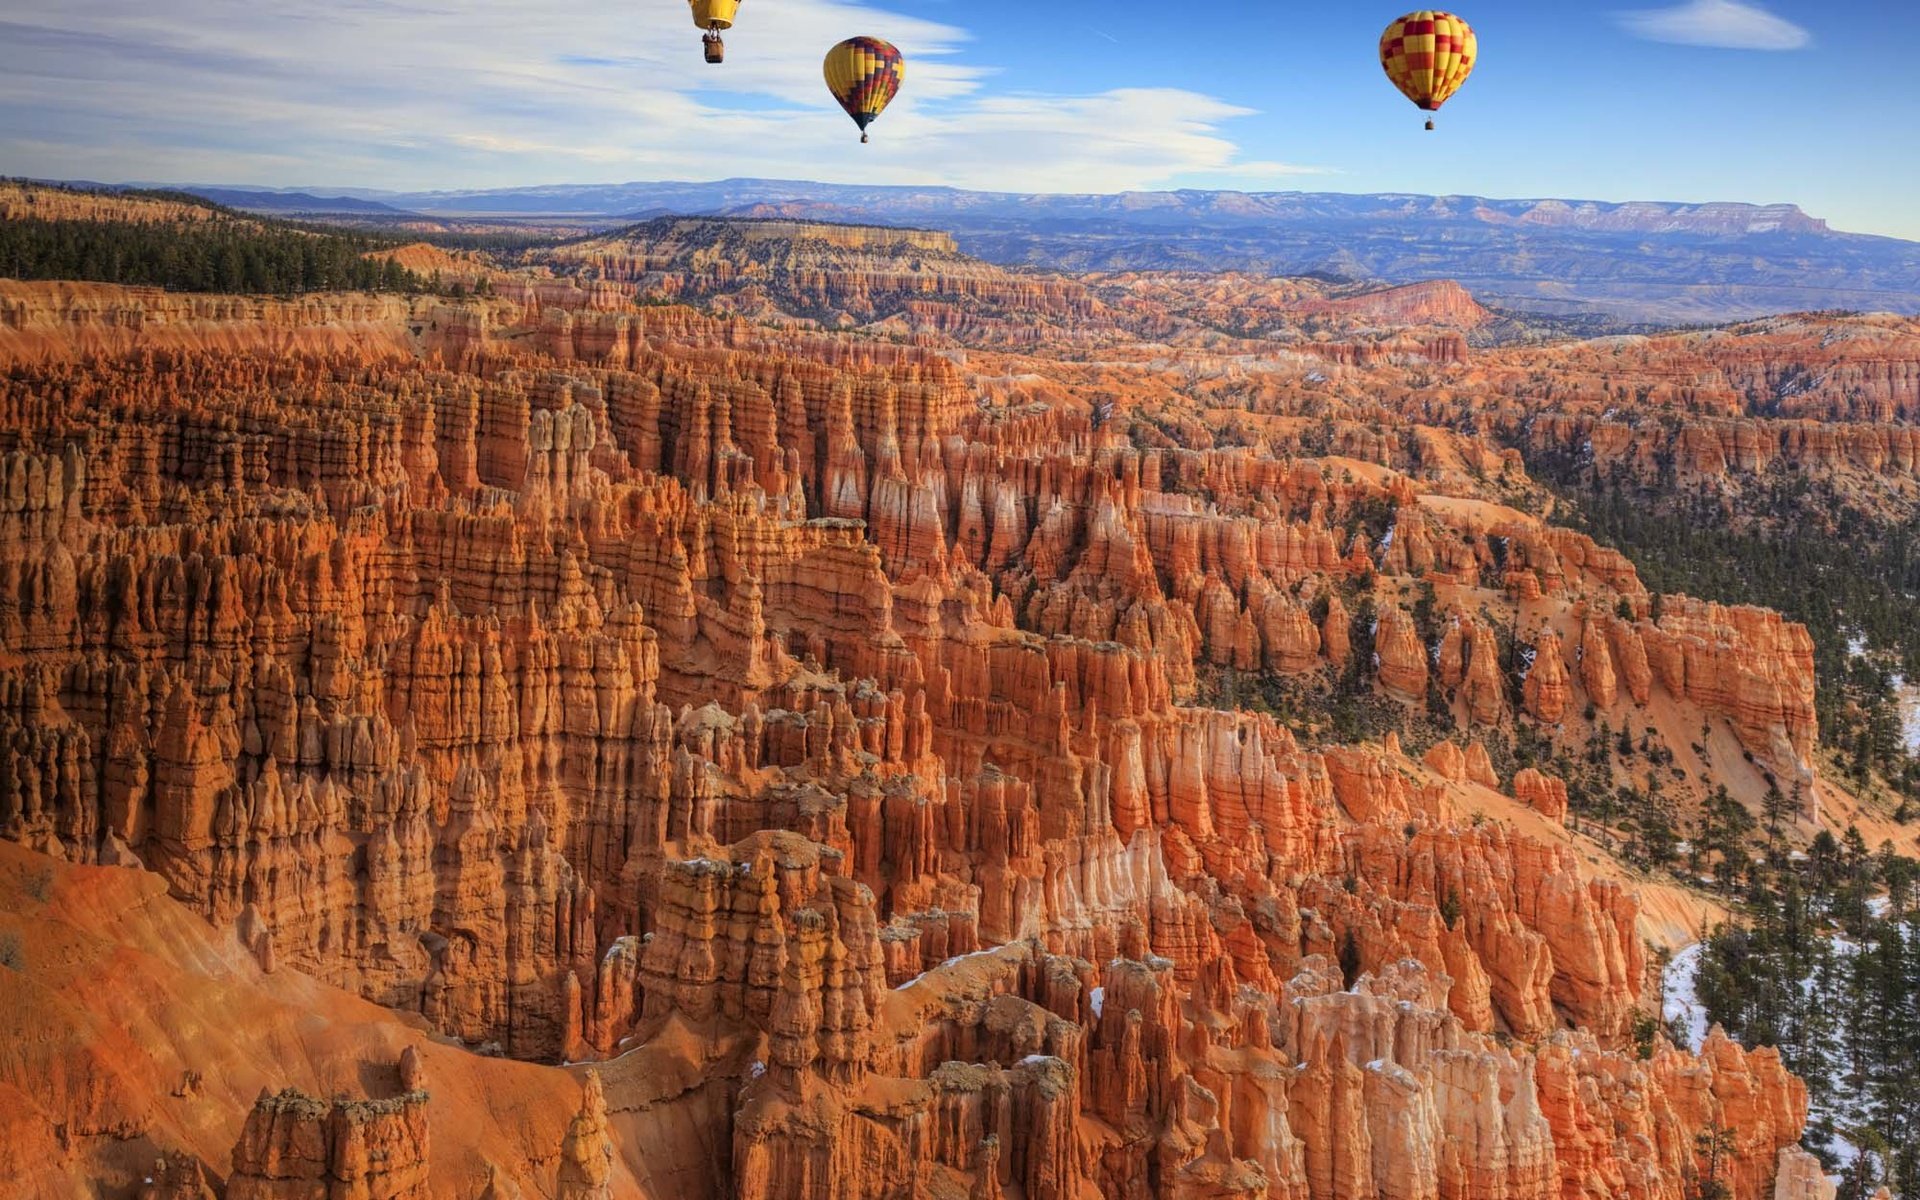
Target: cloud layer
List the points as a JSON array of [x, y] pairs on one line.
[[1721, 23], [423, 93]]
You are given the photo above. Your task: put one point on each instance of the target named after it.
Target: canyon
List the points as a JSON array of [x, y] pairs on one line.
[[835, 741]]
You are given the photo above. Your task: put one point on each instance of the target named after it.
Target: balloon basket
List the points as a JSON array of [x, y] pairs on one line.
[[716, 49], [1429, 126]]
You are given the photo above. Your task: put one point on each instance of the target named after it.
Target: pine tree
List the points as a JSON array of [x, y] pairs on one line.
[[1713, 1147]]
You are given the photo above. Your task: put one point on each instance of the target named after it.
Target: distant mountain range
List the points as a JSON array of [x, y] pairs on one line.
[[294, 202], [1637, 261]]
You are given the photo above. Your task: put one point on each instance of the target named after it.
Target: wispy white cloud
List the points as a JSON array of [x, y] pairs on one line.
[[426, 93], [1720, 23]]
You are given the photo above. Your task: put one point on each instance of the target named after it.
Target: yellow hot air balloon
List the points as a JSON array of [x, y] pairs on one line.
[[1428, 54], [864, 74], [714, 16]]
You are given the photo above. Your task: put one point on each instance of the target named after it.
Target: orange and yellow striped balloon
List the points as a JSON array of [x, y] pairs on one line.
[[864, 74], [1428, 55]]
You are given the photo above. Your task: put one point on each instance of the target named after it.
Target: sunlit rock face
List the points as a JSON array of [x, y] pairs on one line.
[[840, 721]]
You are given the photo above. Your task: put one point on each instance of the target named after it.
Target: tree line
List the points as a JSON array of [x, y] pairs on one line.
[[190, 256], [1826, 967]]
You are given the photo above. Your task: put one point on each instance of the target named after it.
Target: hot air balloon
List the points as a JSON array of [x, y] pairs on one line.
[[1428, 55], [713, 16], [864, 75]]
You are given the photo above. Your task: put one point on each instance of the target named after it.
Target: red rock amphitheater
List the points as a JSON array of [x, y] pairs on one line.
[[544, 747]]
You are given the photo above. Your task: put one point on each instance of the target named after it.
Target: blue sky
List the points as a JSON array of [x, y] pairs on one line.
[[1778, 100]]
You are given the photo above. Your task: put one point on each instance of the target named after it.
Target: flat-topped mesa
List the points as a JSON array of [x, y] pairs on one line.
[[834, 275], [708, 231], [1439, 302]]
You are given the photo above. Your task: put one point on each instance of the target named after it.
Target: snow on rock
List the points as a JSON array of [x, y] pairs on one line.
[[954, 961], [1680, 999], [1910, 716]]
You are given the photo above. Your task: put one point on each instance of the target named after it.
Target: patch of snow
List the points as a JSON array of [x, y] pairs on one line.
[[958, 958], [756, 1069], [1031, 1059], [1386, 543], [1098, 998], [1680, 997], [1845, 1154], [1909, 700], [1857, 646]]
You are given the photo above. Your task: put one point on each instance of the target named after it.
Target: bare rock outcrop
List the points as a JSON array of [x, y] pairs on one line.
[[296, 1147]]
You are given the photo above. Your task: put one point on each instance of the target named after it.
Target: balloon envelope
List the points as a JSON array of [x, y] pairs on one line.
[[714, 14], [1428, 54], [864, 75]]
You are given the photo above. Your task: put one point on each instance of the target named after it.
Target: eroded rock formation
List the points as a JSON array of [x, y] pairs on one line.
[[296, 1147], [579, 677]]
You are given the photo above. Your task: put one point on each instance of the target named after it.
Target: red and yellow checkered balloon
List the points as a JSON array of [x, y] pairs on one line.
[[1428, 55], [864, 74]]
